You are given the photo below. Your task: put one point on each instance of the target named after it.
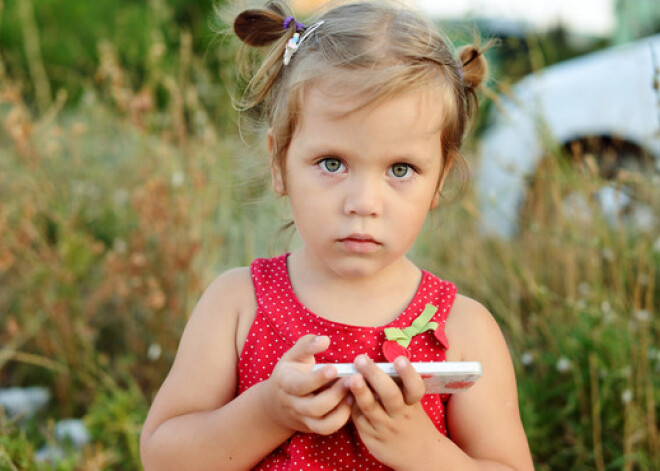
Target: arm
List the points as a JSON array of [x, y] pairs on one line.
[[484, 421], [196, 422]]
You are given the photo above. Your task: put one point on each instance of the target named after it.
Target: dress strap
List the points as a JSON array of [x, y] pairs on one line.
[[444, 299], [266, 277]]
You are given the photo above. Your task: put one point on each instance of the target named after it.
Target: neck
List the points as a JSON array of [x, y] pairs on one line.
[[362, 300]]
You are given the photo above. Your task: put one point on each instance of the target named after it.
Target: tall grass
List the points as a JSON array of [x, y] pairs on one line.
[[576, 295], [117, 211]]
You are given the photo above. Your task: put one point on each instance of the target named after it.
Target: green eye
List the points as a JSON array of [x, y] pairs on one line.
[[400, 170], [332, 165]]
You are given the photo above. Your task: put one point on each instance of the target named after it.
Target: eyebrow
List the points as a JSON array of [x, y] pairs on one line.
[[316, 149]]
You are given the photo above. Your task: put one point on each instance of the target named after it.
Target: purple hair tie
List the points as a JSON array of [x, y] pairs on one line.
[[288, 21]]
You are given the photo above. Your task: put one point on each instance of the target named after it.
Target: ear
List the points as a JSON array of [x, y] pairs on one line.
[[275, 169], [436, 196], [436, 199]]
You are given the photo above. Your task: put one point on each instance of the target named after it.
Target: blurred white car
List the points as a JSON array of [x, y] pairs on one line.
[[608, 99]]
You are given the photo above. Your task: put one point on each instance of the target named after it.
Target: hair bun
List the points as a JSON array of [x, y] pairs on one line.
[[475, 65], [260, 27]]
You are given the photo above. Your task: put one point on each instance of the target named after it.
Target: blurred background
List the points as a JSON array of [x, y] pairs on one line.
[[125, 188]]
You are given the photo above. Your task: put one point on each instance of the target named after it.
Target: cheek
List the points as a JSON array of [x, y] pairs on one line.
[[416, 210]]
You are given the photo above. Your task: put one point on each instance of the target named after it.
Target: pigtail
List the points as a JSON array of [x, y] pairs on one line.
[[474, 66], [261, 27], [474, 70]]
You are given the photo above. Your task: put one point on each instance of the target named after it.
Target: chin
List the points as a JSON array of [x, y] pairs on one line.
[[358, 267]]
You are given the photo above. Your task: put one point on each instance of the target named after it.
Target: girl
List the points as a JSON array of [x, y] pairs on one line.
[[366, 110]]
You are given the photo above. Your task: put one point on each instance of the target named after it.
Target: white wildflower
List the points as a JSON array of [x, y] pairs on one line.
[[656, 245], [564, 365], [154, 352], [177, 179], [584, 289], [119, 245], [609, 317], [642, 315], [644, 219], [527, 358], [626, 396]]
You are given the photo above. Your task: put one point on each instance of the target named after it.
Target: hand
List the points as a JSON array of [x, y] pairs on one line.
[[390, 419], [304, 400]]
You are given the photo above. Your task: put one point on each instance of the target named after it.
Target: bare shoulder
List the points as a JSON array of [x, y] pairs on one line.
[[208, 344], [229, 294], [471, 330], [219, 307], [219, 314], [234, 287]]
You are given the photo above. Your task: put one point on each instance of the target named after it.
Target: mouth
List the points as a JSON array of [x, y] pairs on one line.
[[360, 243]]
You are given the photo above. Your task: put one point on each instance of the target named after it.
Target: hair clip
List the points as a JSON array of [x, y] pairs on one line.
[[294, 43], [288, 21]]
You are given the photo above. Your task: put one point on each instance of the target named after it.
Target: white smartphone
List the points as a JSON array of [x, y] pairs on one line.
[[442, 377]]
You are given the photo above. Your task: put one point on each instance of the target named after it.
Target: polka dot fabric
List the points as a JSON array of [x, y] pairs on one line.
[[281, 319]]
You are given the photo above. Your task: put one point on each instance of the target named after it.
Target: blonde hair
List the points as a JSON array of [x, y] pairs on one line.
[[372, 49]]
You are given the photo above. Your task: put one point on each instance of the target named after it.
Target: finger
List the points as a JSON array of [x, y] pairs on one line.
[[301, 383], [383, 386], [306, 347], [365, 400], [412, 383], [322, 403], [361, 421], [332, 421]]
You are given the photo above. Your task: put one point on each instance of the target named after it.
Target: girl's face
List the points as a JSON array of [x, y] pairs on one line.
[[361, 183]]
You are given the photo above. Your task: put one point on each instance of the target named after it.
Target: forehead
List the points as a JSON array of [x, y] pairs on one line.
[[416, 113]]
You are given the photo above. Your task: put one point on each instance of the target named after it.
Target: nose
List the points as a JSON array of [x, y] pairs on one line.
[[363, 196]]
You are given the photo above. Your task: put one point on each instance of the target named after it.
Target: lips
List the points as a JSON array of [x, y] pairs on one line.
[[360, 243]]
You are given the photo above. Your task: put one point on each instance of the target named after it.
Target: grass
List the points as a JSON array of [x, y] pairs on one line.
[[576, 298], [118, 208]]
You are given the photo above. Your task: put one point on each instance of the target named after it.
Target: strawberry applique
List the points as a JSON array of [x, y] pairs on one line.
[[398, 339], [392, 350], [441, 337]]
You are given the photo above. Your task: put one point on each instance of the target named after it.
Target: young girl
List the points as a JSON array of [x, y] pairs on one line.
[[366, 109]]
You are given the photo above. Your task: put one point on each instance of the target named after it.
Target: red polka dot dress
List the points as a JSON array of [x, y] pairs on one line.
[[281, 319]]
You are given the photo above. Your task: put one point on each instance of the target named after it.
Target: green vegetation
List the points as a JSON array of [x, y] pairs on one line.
[[124, 189]]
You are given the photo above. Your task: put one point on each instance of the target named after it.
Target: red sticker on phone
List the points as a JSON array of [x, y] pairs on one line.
[[459, 384]]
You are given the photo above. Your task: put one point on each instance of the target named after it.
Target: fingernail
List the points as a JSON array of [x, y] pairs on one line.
[[401, 362], [350, 400], [361, 361]]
